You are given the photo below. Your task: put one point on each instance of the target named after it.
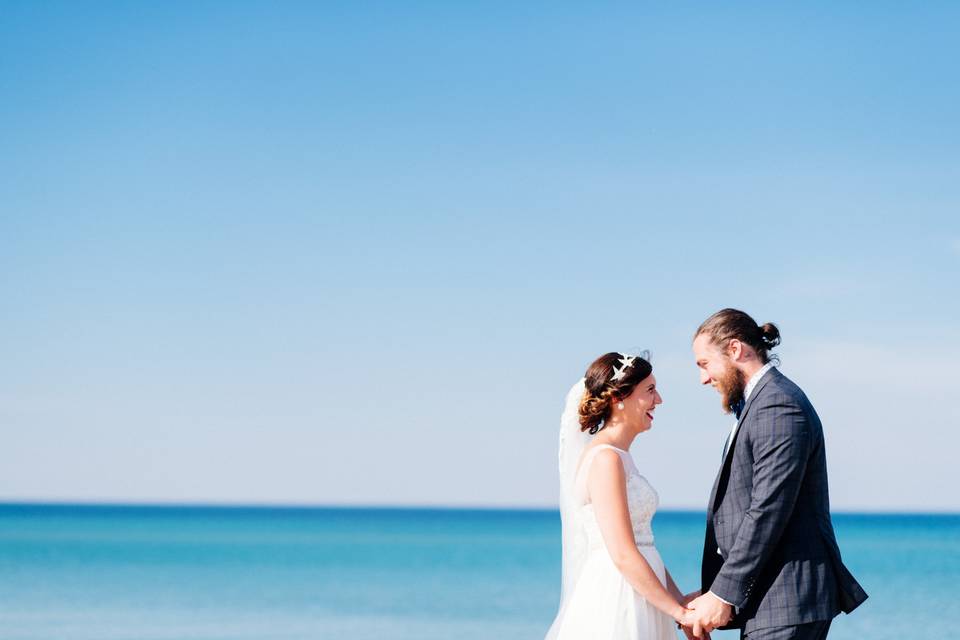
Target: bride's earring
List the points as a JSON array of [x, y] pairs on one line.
[[620, 406]]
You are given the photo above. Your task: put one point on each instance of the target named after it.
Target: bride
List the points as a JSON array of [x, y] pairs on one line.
[[615, 585]]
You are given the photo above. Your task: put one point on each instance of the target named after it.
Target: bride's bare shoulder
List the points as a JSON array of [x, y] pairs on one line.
[[605, 463]]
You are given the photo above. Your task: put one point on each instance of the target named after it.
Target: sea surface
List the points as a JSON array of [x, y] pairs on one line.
[[198, 573]]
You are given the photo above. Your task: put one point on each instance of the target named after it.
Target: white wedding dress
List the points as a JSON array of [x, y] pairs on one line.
[[602, 605]]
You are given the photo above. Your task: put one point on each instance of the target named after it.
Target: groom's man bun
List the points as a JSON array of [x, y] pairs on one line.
[[732, 324], [603, 390]]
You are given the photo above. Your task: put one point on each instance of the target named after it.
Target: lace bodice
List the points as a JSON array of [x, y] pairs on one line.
[[642, 501]]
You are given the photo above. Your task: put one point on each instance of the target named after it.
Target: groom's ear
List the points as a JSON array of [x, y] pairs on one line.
[[735, 349]]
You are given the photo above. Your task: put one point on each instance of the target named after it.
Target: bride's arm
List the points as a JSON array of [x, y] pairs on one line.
[[672, 587], [606, 482]]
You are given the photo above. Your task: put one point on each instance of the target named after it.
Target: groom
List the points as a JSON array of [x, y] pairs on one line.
[[771, 566]]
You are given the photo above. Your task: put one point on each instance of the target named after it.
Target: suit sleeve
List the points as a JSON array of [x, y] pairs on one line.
[[780, 442]]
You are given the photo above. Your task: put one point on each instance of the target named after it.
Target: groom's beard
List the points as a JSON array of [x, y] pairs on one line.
[[731, 387]]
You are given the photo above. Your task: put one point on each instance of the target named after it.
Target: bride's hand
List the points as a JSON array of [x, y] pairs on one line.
[[688, 632], [686, 623]]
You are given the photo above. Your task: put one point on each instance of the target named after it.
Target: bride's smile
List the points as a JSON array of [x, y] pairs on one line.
[[638, 408]]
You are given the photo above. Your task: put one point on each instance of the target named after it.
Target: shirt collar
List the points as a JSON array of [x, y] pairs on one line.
[[754, 379]]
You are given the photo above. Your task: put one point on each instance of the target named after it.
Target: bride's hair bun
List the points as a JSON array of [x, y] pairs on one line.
[[595, 410], [602, 390]]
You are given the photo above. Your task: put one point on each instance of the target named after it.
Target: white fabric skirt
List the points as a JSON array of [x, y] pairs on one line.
[[604, 606]]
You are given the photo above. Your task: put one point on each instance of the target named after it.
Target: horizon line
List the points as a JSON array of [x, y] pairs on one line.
[[295, 506]]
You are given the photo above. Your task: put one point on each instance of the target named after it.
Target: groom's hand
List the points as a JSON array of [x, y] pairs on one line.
[[710, 612], [691, 627], [688, 632], [690, 597]]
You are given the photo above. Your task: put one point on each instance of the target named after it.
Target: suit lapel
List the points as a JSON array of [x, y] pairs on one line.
[[746, 409], [743, 415]]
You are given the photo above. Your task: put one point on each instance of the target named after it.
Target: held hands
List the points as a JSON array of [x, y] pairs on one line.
[[690, 597], [706, 613], [686, 624]]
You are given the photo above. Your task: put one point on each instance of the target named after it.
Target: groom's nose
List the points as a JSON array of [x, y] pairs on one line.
[[704, 377]]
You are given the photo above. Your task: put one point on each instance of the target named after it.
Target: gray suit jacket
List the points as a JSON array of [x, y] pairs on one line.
[[769, 515]]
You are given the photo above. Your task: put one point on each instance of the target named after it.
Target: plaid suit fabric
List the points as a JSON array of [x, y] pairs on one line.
[[769, 516], [809, 631]]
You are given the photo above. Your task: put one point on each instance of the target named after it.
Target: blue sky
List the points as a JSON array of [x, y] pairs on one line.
[[308, 253]]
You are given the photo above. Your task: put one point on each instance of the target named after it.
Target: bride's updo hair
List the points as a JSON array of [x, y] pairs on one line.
[[602, 390]]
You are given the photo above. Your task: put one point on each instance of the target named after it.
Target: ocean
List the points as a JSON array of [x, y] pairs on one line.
[[200, 573]]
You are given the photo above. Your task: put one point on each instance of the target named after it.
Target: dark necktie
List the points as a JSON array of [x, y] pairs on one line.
[[738, 408], [737, 411]]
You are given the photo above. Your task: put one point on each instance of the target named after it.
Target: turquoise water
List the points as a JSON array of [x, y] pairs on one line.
[[210, 573]]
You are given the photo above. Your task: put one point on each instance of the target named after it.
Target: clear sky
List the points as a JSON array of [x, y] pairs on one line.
[[356, 253]]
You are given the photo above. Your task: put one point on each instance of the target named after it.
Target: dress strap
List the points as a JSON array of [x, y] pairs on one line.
[[597, 448], [588, 457]]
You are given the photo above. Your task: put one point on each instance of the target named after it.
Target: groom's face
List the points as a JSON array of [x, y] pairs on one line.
[[718, 370]]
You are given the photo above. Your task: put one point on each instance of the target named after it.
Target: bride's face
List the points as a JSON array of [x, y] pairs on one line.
[[639, 406]]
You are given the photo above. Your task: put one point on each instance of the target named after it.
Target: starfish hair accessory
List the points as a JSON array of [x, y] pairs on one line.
[[625, 363]]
